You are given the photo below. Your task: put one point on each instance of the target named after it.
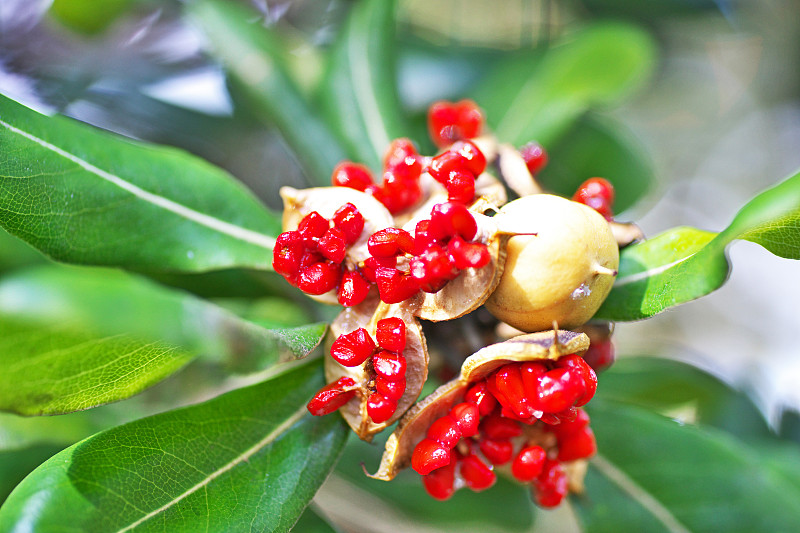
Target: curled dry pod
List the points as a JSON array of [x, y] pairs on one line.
[[563, 273], [470, 289], [515, 173], [367, 315], [545, 345], [625, 233]]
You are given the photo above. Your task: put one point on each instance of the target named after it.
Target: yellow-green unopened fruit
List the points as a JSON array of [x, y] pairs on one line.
[[563, 273]]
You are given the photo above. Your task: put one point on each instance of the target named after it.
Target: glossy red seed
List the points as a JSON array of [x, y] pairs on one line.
[[550, 487], [499, 428], [391, 334], [353, 175], [460, 187], [398, 193], [309, 258], [389, 365], [422, 236], [470, 119], [353, 288], [287, 253], [429, 455], [319, 278], [312, 227], [468, 254], [559, 389], [402, 160], [480, 396], [534, 156], [440, 483], [433, 266], [476, 474], [443, 122], [531, 373], [332, 396], [508, 381], [389, 242], [446, 163], [372, 264], [528, 463], [446, 431], [600, 355], [498, 452], [597, 193], [350, 221], [577, 364], [380, 408], [391, 389], [395, 286], [333, 245], [449, 219], [570, 427], [467, 417], [578, 445], [476, 161], [352, 349]]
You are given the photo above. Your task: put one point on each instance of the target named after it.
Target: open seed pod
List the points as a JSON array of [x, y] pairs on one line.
[[545, 345], [367, 315], [514, 171]]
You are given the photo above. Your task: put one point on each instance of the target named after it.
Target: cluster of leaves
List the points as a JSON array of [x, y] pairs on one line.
[[73, 338]]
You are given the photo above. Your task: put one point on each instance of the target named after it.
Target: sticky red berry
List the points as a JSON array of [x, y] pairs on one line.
[[597, 193], [372, 264], [445, 430], [460, 187], [353, 288], [578, 445], [446, 163], [395, 286], [476, 474], [468, 254], [528, 463], [449, 219], [319, 278], [429, 455], [559, 389], [389, 365], [498, 452], [508, 382], [480, 396], [467, 417], [600, 354], [312, 227], [391, 389], [332, 396], [577, 364], [440, 483], [391, 334], [389, 242], [350, 221], [353, 175], [352, 349], [475, 160], [534, 156], [380, 408], [332, 245], [499, 428], [287, 253], [399, 194]]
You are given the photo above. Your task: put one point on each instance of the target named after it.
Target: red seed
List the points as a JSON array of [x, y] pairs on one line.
[[531, 373], [600, 355], [429, 455], [395, 286], [353, 288], [449, 219], [567, 428], [578, 445], [312, 227], [380, 408], [352, 349], [440, 483], [422, 236], [433, 268], [476, 161], [398, 193], [559, 389], [287, 253], [460, 187], [528, 463], [470, 119], [444, 164], [498, 452], [389, 242], [468, 254], [508, 381], [319, 278], [476, 474], [442, 123], [332, 396], [353, 175], [480, 396], [577, 364], [550, 487], [391, 389], [333, 245], [389, 365], [372, 264], [391, 334], [499, 428], [597, 193], [467, 418], [445, 430], [534, 156], [403, 160], [350, 220]]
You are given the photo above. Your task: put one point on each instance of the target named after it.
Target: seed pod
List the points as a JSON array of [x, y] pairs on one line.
[[415, 353], [515, 173], [545, 345]]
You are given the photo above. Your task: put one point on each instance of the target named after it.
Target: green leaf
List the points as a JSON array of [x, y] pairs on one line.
[[15, 465], [255, 61], [359, 91], [82, 195], [15, 253], [683, 264], [654, 474], [595, 67], [250, 459], [76, 338], [311, 522], [596, 146]]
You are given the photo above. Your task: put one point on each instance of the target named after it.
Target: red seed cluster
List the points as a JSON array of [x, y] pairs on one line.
[[449, 122], [312, 257], [491, 428], [387, 363], [457, 169], [597, 193], [439, 249]]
